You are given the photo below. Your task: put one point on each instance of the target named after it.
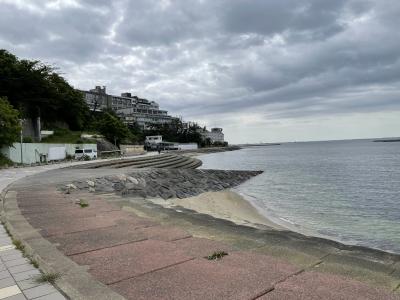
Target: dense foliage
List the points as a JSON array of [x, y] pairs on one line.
[[9, 123], [112, 128], [35, 89], [176, 132]]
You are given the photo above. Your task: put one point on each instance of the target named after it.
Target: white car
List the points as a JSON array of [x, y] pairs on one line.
[[81, 153]]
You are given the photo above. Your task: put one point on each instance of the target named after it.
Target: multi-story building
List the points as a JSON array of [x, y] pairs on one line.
[[215, 135], [131, 109]]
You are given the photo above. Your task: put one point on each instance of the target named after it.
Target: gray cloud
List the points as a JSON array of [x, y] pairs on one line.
[[277, 59]]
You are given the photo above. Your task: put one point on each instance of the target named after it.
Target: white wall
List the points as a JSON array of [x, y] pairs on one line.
[[31, 151], [132, 149], [188, 146]]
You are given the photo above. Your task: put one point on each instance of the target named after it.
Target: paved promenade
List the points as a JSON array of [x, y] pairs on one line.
[[17, 275], [104, 252]]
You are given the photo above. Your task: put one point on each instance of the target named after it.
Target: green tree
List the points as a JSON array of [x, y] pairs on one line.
[[176, 132], [9, 123], [113, 128], [36, 89]]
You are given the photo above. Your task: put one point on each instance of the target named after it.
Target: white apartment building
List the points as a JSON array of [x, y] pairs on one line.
[[215, 135], [131, 109]]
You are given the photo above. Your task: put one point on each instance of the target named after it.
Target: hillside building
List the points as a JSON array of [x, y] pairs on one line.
[[215, 135], [131, 109]]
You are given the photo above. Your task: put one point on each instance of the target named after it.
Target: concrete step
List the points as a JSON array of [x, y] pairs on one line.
[[126, 161], [166, 164], [186, 164], [151, 163]]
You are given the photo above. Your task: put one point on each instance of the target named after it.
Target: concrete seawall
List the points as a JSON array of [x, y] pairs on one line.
[[127, 245]]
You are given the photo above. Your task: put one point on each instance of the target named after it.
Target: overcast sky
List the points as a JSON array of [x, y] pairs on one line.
[[264, 70]]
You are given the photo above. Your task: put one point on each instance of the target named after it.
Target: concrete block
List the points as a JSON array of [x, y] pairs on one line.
[[39, 291]]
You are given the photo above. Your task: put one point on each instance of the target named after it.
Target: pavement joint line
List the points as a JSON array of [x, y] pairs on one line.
[[93, 229], [180, 239], [263, 293], [290, 276], [155, 270], [58, 234], [117, 245]]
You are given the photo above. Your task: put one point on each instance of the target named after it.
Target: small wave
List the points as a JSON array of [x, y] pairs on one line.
[[288, 221]]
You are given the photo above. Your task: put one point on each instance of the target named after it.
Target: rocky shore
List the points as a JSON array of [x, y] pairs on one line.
[[163, 183]]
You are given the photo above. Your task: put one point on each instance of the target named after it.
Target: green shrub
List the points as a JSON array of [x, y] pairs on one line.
[[9, 122], [5, 161]]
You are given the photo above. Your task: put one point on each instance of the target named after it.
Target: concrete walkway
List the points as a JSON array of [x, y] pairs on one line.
[[139, 258], [17, 274]]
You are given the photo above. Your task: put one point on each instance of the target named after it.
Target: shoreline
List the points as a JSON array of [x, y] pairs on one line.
[[227, 205], [231, 206]]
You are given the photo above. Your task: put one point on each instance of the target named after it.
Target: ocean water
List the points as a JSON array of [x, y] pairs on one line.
[[347, 191]]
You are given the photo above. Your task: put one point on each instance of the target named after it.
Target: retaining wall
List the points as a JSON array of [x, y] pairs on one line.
[[31, 152]]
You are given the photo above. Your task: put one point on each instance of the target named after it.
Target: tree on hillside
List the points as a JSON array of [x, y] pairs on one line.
[[112, 128], [37, 90], [176, 132], [9, 124]]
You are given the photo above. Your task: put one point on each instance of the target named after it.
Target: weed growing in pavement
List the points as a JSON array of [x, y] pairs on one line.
[[216, 255], [47, 277], [82, 203], [5, 228], [18, 245]]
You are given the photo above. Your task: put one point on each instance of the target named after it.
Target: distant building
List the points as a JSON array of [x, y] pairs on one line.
[[215, 135], [131, 109], [153, 139]]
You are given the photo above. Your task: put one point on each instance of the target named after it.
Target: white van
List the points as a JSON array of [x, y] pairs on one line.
[[80, 153]]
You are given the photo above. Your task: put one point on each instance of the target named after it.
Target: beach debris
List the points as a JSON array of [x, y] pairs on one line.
[[71, 186], [132, 180], [90, 183]]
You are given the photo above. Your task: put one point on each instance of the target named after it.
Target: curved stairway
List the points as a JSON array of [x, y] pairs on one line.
[[171, 161]]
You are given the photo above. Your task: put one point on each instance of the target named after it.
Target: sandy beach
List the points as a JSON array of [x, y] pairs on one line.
[[226, 205]]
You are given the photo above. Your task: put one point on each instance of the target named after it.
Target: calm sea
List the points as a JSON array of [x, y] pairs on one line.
[[347, 191]]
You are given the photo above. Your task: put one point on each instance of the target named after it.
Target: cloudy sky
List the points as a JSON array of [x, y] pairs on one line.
[[264, 70]]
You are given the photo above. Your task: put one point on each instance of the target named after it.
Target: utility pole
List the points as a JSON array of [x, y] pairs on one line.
[[21, 140]]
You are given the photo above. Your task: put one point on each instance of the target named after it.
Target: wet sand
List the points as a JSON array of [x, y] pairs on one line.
[[226, 205]]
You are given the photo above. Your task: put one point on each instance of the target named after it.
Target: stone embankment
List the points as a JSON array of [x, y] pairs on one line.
[[179, 183]]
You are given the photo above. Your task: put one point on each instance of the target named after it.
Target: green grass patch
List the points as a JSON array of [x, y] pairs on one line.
[[47, 277], [4, 161], [65, 136], [83, 203], [216, 255], [18, 245], [32, 261]]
